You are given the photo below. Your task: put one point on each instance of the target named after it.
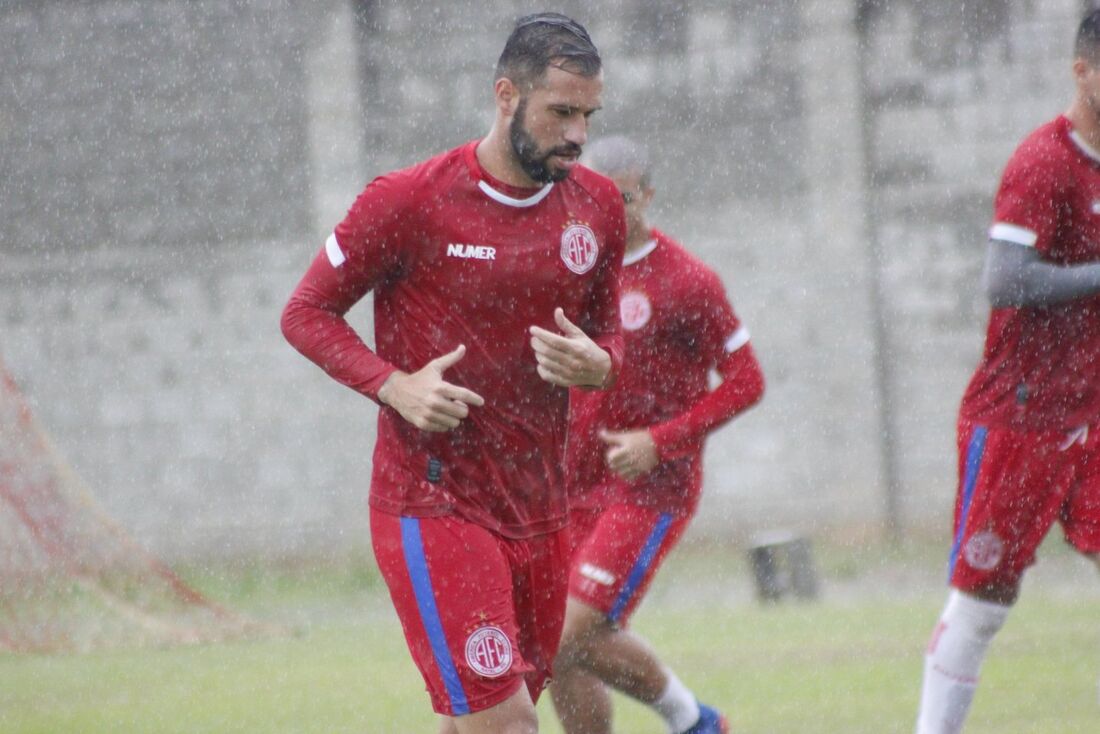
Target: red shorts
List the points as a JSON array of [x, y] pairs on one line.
[[482, 614], [1013, 485], [616, 552]]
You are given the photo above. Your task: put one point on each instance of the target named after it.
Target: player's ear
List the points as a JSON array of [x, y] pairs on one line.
[[507, 96], [1082, 67]]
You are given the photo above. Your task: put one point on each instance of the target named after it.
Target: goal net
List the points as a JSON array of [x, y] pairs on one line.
[[70, 577]]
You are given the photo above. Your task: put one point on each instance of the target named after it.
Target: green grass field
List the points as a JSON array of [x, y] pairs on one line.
[[850, 662]]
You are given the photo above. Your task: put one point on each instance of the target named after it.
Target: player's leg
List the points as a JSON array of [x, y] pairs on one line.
[[1081, 512], [451, 584], [611, 571], [953, 661], [581, 700], [514, 715], [539, 575], [595, 654], [1010, 489]]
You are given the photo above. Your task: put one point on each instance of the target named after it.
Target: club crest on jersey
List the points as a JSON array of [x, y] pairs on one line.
[[634, 310], [489, 652], [984, 550], [578, 248]]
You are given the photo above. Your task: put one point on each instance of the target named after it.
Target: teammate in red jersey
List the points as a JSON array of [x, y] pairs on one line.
[[635, 455], [495, 269], [1029, 448]]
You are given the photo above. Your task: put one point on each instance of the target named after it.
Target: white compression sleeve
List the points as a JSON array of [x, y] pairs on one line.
[[954, 660], [677, 705]]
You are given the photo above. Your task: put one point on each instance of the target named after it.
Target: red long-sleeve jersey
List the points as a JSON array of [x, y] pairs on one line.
[[1038, 368], [454, 256], [678, 325]]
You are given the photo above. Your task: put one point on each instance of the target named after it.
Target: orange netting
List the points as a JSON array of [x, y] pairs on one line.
[[70, 577]]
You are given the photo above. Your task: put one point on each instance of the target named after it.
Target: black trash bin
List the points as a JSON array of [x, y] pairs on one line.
[[782, 565]]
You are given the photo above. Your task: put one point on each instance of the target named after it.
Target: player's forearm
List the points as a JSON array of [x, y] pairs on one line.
[[742, 387], [325, 338], [1017, 276]]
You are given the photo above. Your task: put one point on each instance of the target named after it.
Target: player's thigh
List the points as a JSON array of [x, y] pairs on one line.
[[1081, 511], [613, 568], [582, 522], [452, 586], [540, 568], [514, 715], [1011, 487]]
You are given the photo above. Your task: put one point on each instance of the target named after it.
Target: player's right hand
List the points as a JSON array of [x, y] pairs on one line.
[[425, 399]]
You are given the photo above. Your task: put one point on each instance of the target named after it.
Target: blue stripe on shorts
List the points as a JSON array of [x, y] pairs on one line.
[[417, 564], [974, 454], [641, 566]]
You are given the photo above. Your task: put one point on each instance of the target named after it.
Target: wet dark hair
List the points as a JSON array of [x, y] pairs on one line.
[[1087, 45], [542, 40]]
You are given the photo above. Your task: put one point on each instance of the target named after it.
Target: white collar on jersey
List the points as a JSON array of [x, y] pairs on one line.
[[1087, 149], [632, 257], [531, 200]]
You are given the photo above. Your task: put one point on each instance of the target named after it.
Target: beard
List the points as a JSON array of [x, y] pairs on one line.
[[534, 162]]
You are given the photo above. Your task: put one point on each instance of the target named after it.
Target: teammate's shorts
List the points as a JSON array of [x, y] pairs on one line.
[[1013, 485], [482, 614], [616, 552]]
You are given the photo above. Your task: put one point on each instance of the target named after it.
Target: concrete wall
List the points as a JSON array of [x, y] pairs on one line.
[[170, 168]]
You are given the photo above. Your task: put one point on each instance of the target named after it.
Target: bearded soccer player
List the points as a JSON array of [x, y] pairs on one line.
[[635, 454], [495, 270], [1029, 444]]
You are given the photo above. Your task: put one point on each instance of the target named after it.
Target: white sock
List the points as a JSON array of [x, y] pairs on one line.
[[954, 660], [677, 705]]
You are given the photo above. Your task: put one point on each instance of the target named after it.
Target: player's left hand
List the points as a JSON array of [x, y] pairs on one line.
[[571, 358], [630, 454]]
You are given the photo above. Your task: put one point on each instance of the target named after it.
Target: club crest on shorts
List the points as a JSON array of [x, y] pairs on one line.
[[578, 248], [489, 652], [634, 310], [984, 550]]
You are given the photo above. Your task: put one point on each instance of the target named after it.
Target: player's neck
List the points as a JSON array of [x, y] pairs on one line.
[[495, 156], [638, 239], [1085, 121]]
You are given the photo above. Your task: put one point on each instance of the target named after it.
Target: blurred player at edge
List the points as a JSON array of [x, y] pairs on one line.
[[1029, 443], [635, 461], [495, 271]]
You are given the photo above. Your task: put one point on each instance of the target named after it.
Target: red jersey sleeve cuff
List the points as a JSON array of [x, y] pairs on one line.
[[614, 347], [371, 386], [671, 439]]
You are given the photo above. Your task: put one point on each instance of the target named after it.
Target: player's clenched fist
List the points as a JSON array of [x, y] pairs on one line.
[[570, 358], [630, 454], [425, 399]]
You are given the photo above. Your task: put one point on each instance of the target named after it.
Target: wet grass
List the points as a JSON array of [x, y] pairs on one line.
[[849, 662]]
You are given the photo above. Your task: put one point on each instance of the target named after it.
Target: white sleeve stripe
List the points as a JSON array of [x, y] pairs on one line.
[[332, 249], [739, 339], [1014, 234]]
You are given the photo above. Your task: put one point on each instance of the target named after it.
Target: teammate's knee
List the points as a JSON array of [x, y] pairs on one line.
[[1004, 593], [583, 626], [574, 649]]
